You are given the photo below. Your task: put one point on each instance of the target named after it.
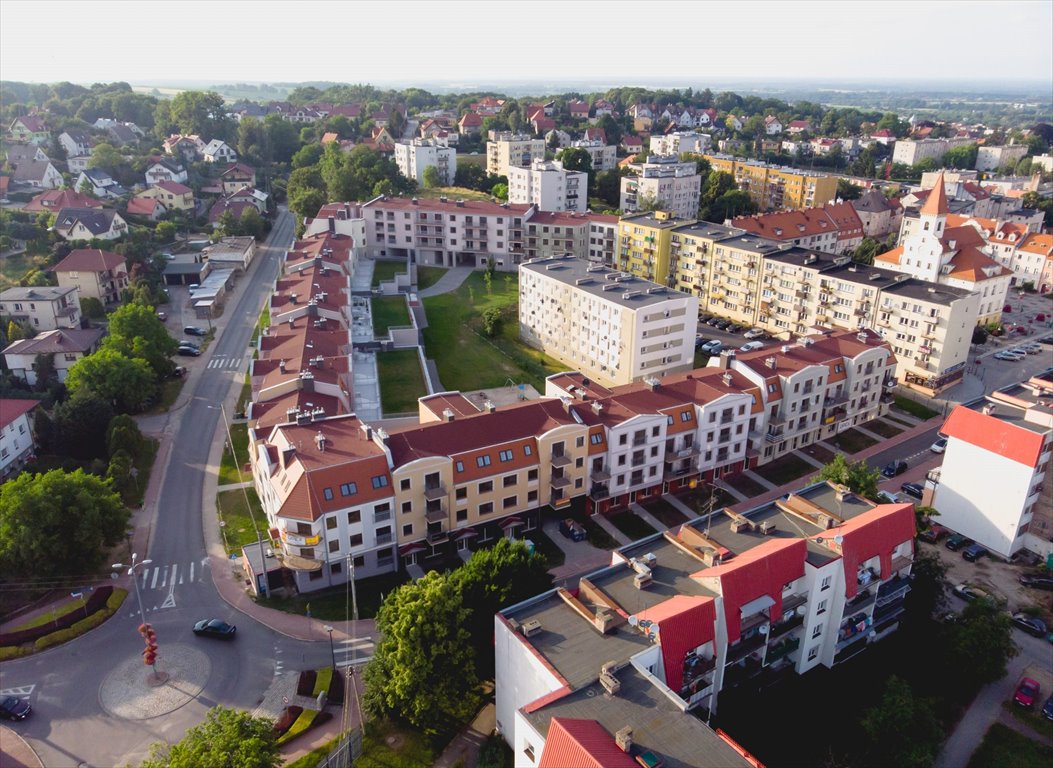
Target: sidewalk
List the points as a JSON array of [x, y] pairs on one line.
[[15, 752], [464, 749], [451, 281]]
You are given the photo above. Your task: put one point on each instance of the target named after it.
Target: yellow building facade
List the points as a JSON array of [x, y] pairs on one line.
[[772, 187]]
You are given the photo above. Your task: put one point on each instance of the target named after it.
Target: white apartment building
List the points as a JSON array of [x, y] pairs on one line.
[[415, 156], [546, 184], [16, 435], [44, 308], [993, 484], [604, 156], [674, 186], [993, 158], [913, 151], [506, 150], [680, 141], [609, 325]]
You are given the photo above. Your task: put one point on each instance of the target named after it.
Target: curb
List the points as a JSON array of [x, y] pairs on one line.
[[22, 753]]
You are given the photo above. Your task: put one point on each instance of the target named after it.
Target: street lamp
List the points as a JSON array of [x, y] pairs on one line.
[[131, 572], [332, 652], [144, 628], [248, 506]]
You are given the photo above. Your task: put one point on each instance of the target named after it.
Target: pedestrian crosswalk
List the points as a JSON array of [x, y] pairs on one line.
[[222, 361], [156, 576], [354, 651]]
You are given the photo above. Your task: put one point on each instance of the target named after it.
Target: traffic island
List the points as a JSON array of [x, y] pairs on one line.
[[131, 692]]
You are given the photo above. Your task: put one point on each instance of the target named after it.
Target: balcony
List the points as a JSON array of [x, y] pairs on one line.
[[436, 515], [437, 537], [560, 459], [601, 474], [787, 646], [683, 453], [863, 600], [785, 626], [892, 590], [434, 492], [744, 648], [559, 481], [774, 434], [599, 491]]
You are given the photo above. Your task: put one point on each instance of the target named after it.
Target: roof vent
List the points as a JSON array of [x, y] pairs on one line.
[[319, 441], [624, 739], [447, 414], [772, 362], [862, 337], [597, 407], [531, 628], [726, 378], [988, 409], [610, 683]]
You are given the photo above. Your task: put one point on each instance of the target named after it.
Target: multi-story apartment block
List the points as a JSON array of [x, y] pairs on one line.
[[772, 187], [604, 156], [993, 158], [16, 435], [415, 156], [834, 228], [664, 181], [547, 185], [809, 580], [931, 250], [505, 150], [603, 237], [913, 151], [993, 485], [97, 274], [43, 308], [609, 325], [679, 142], [643, 244]]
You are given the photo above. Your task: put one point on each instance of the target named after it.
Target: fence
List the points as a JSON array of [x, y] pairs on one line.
[[346, 752]]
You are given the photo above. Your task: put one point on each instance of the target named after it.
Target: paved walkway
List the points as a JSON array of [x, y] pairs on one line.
[[15, 752], [464, 749], [451, 281], [608, 526], [362, 278], [762, 481], [733, 491], [691, 514], [648, 518], [868, 433]]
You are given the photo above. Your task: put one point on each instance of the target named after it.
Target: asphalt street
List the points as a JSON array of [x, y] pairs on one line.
[[69, 726]]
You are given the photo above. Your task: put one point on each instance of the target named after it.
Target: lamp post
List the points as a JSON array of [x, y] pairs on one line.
[[145, 629], [248, 506], [332, 652], [135, 580]]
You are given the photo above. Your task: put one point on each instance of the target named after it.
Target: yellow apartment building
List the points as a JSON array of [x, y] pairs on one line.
[[773, 187]]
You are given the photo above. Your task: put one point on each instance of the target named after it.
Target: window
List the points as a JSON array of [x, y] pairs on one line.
[[359, 562], [354, 516], [483, 461], [355, 540], [459, 466], [336, 568], [505, 455], [531, 497], [580, 442], [380, 481], [623, 439], [822, 608], [596, 438], [509, 501], [328, 494], [404, 485], [532, 475], [527, 450], [407, 507], [334, 546], [487, 508], [407, 529], [330, 523], [509, 480], [461, 493], [486, 487], [462, 515], [813, 652], [685, 416], [348, 489], [825, 583]]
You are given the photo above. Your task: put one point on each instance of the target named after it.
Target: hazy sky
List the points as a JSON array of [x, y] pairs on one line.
[[453, 41]]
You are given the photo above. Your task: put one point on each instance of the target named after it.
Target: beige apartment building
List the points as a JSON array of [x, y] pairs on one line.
[[505, 150], [609, 325]]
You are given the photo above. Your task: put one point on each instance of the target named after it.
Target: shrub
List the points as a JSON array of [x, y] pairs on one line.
[[55, 638], [336, 687], [114, 602], [285, 721], [82, 626], [323, 681], [12, 652], [302, 725], [306, 682]]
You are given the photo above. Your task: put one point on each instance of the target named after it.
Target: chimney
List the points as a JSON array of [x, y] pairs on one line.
[[489, 406], [785, 348], [367, 431], [290, 414], [861, 337], [597, 407], [772, 362], [306, 381], [319, 442], [988, 409], [624, 739], [302, 418], [413, 200], [460, 203], [281, 365], [727, 378], [382, 436], [725, 359], [292, 297], [447, 414]]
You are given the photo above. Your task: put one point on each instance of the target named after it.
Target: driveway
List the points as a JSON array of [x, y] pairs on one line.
[[581, 558]]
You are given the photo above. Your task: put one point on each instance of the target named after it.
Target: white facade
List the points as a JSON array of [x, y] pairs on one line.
[[16, 436], [993, 158], [912, 152], [604, 156], [548, 186], [414, 157], [42, 308], [680, 141], [674, 186], [505, 150]]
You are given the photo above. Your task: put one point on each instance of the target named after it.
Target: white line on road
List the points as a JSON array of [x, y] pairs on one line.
[[157, 572], [191, 570], [174, 577], [164, 576]]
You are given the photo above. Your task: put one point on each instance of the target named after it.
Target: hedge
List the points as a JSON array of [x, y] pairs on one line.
[[305, 684], [78, 628], [307, 720], [323, 681], [286, 719], [12, 652], [98, 599]]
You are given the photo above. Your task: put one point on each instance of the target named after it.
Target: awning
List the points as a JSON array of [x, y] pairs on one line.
[[409, 549], [466, 533], [758, 605], [508, 522]]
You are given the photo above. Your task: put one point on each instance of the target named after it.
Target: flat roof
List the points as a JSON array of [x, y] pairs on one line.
[[751, 242], [670, 576], [650, 219], [1014, 414], [604, 283], [708, 229], [786, 527], [934, 293], [679, 739]]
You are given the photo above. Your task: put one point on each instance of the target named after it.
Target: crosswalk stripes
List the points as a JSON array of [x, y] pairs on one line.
[[357, 650], [168, 576], [222, 361]]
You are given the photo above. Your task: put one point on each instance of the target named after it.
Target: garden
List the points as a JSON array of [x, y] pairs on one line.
[[401, 381], [388, 312]]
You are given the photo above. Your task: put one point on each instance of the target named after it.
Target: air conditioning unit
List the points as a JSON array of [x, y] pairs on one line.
[[739, 524], [610, 683], [531, 628]]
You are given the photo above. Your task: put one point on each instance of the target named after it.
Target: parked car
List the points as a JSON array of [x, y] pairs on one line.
[[1037, 581], [974, 552], [894, 468], [723, 324], [754, 333], [188, 352], [162, 316], [1047, 710], [939, 446], [189, 343], [1033, 625], [1026, 693], [215, 628], [1031, 349], [193, 287], [712, 347], [913, 489], [1008, 357], [733, 328], [969, 593], [933, 533], [193, 330], [713, 322], [12, 708], [957, 541], [179, 372], [749, 346], [572, 529]]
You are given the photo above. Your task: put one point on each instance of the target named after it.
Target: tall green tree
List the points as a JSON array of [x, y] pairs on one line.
[[423, 668], [431, 177], [846, 190], [576, 159], [58, 523], [79, 426], [981, 643], [609, 187], [282, 138], [202, 113], [865, 252], [126, 381], [902, 729], [136, 331], [857, 475], [227, 739], [963, 157]]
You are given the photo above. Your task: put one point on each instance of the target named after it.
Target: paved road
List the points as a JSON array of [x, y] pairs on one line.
[[69, 726]]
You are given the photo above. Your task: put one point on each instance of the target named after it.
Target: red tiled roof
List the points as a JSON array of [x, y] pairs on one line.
[[970, 263], [994, 435], [174, 187], [937, 203], [144, 206], [89, 260], [574, 743], [57, 199], [684, 623], [875, 533], [12, 409], [1038, 243]]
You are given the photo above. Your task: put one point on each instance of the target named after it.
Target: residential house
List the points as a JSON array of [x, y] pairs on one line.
[[43, 308], [470, 124], [149, 208], [602, 107], [834, 228], [218, 151], [578, 110], [75, 143], [171, 194], [992, 158], [256, 197], [632, 145], [414, 156], [90, 224], [604, 157], [100, 183], [24, 153], [230, 253], [595, 134], [771, 186], [799, 126], [65, 346], [678, 142], [883, 136], [237, 175], [30, 128], [38, 174], [1030, 259], [879, 215], [560, 138], [16, 435], [772, 125], [166, 170], [549, 186], [236, 207], [124, 133], [55, 200], [506, 149], [190, 148]]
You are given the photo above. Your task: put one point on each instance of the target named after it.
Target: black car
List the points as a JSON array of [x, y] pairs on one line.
[[188, 352], [193, 330], [957, 541], [1031, 624], [912, 489], [723, 324], [733, 328], [1047, 710], [894, 468], [572, 529], [215, 628], [1038, 582], [713, 322], [12, 708]]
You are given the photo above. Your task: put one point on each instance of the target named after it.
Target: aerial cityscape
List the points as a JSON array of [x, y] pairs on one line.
[[487, 386]]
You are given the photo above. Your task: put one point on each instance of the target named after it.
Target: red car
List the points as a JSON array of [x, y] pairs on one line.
[[1026, 693]]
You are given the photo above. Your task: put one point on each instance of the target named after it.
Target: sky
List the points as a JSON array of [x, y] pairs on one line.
[[459, 42]]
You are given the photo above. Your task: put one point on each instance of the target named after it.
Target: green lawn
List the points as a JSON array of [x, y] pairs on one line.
[[465, 358], [429, 276], [1003, 747], [454, 193], [14, 268], [819, 453], [170, 389], [851, 441], [883, 428], [744, 485], [784, 469], [235, 520], [632, 525], [144, 465], [665, 512], [229, 470], [401, 380], [701, 359], [387, 745], [699, 498], [389, 311], [262, 324], [554, 556], [914, 409], [385, 271], [333, 604], [67, 606]]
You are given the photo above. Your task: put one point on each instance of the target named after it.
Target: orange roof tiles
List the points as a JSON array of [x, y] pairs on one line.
[[994, 435], [936, 202]]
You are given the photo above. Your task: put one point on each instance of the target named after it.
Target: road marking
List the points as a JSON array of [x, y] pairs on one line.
[[21, 690], [169, 601], [157, 572], [164, 576], [174, 575], [191, 570]]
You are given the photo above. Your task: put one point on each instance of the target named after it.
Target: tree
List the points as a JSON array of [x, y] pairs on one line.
[[865, 252], [735, 202], [165, 232], [423, 668], [251, 223], [846, 190], [493, 578], [431, 177], [126, 381], [123, 434], [859, 477], [928, 586], [58, 523], [80, 424], [227, 739], [471, 176], [136, 331], [962, 157], [283, 138], [305, 192], [902, 730], [500, 191], [981, 643], [609, 187], [44, 366], [491, 318], [576, 159], [307, 156], [14, 332], [202, 113]]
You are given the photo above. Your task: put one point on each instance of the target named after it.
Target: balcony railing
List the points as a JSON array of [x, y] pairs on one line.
[[785, 626], [434, 492], [437, 537], [787, 646], [600, 491], [560, 459], [559, 481], [436, 515], [744, 648]]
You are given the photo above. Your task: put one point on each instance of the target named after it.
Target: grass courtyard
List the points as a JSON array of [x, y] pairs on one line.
[[466, 359], [384, 271], [401, 381], [236, 519], [389, 311]]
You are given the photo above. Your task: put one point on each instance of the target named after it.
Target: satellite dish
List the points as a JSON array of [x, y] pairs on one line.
[[839, 539], [802, 610], [763, 629], [872, 634], [633, 621]]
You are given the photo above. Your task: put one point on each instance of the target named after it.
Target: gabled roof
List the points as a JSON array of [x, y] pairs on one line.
[[31, 170], [13, 409], [144, 206], [970, 263], [89, 260], [57, 341], [685, 622], [937, 201], [577, 743], [994, 435], [57, 199], [95, 220], [174, 187], [875, 533]]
